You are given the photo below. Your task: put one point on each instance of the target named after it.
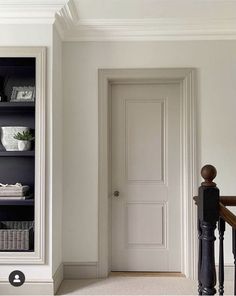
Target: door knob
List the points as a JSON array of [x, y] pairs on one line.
[[116, 193]]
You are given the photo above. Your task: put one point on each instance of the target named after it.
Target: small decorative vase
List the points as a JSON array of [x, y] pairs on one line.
[[24, 145], [7, 136]]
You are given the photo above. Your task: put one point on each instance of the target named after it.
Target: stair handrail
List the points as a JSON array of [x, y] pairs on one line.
[[227, 215]]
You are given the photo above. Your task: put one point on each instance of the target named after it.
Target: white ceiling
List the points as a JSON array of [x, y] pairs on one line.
[[142, 9]]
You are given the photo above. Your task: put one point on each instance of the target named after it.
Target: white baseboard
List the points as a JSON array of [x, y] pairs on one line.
[[70, 270], [37, 287], [32, 288], [85, 270], [80, 270], [58, 277], [67, 270]]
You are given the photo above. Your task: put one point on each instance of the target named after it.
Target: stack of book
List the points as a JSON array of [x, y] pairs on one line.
[[12, 192]]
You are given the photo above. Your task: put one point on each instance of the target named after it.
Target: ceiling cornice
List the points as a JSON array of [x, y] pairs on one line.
[[29, 11], [64, 14], [151, 29], [67, 19]]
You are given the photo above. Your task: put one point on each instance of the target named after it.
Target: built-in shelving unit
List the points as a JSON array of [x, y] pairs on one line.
[[15, 202], [17, 153], [17, 166], [16, 105]]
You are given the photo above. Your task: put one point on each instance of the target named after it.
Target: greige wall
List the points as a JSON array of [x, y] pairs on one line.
[[57, 151], [36, 35], [215, 62]]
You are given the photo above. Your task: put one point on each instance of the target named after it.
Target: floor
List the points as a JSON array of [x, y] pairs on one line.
[[123, 284]]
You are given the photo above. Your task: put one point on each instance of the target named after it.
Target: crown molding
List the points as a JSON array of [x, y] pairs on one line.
[[30, 11], [66, 19], [150, 29], [64, 14]]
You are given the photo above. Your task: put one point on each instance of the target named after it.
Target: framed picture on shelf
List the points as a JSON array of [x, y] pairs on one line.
[[23, 94]]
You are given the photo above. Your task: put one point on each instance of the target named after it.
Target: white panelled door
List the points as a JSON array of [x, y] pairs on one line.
[[146, 175]]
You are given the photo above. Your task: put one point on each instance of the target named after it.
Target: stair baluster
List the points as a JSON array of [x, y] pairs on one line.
[[221, 228], [234, 253]]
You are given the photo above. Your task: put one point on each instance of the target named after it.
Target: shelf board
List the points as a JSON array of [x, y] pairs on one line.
[[17, 153], [17, 251], [14, 105], [16, 202]]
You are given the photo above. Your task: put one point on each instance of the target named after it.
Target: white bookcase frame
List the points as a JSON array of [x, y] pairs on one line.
[[38, 256]]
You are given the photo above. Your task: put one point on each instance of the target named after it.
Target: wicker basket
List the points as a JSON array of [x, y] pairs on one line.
[[16, 235]]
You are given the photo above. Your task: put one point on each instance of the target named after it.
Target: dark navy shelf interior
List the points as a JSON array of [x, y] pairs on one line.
[[17, 153], [17, 202], [17, 105], [17, 166]]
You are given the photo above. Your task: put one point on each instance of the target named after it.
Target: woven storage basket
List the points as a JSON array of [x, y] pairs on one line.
[[16, 235]]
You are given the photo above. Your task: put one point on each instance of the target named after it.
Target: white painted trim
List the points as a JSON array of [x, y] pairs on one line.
[[80, 270], [189, 176], [228, 272], [29, 288], [30, 11], [36, 286], [65, 15], [58, 277], [66, 18], [186, 79], [151, 29], [38, 256]]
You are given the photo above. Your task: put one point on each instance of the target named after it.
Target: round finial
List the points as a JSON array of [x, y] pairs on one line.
[[208, 173]]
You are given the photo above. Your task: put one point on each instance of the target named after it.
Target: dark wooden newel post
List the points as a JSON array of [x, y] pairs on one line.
[[199, 256], [208, 215]]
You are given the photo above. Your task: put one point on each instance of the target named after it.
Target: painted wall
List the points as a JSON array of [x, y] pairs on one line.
[[216, 79], [57, 146], [41, 35]]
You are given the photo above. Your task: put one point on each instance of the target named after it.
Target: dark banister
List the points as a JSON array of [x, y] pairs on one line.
[[221, 227], [199, 248], [234, 253], [228, 216], [225, 200], [208, 215], [228, 200], [212, 208], [199, 257]]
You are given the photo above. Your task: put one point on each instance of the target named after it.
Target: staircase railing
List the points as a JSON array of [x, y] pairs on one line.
[[212, 212]]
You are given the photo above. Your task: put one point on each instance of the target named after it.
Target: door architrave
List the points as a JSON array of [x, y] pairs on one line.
[[188, 172]]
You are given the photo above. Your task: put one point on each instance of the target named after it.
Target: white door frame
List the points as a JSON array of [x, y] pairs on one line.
[[186, 78]]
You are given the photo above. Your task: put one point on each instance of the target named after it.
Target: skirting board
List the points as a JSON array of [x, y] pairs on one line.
[[69, 270], [80, 270], [33, 288], [88, 270], [58, 277], [228, 272]]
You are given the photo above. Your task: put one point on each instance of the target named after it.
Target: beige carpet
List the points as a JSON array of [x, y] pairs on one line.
[[121, 285]]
